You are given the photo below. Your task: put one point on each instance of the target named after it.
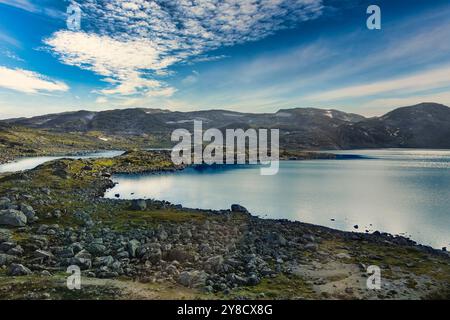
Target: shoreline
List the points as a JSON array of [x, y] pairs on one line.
[[304, 155], [206, 254]]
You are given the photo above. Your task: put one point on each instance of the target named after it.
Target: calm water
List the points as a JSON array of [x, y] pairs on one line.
[[32, 162], [398, 191]]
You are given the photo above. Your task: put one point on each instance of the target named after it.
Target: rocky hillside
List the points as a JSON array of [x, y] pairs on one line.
[[426, 125]]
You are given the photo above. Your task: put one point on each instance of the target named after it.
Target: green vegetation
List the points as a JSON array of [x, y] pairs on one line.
[[280, 287]]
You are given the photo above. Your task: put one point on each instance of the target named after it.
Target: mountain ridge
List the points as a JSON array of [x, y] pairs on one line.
[[425, 125]]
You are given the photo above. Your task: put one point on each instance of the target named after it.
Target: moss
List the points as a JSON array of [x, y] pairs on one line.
[[407, 259], [38, 288], [124, 219], [281, 287]]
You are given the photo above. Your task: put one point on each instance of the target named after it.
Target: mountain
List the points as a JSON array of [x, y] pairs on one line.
[[425, 125]]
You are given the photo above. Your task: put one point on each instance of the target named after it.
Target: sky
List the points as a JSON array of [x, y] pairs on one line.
[[242, 55]]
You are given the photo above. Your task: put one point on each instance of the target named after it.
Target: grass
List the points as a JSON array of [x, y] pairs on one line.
[[391, 256], [280, 287], [38, 288], [128, 219]]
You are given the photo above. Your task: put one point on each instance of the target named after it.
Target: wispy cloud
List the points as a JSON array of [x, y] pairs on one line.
[[21, 4], [132, 43], [7, 39], [422, 81], [28, 82]]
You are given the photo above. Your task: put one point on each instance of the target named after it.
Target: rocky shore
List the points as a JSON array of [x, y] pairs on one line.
[[54, 216]]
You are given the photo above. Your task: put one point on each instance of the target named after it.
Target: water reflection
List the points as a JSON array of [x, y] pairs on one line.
[[32, 162], [401, 192]]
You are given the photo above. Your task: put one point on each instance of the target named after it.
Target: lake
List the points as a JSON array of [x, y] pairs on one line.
[[403, 192], [28, 163]]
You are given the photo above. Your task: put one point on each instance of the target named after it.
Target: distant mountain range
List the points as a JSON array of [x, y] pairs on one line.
[[426, 125]]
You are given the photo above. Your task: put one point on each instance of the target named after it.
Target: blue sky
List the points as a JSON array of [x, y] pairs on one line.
[[249, 56]]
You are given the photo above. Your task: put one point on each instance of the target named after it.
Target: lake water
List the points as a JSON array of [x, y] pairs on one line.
[[32, 162], [403, 192]]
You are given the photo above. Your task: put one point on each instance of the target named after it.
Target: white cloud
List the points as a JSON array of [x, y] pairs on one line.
[[426, 80], [191, 79], [21, 4], [101, 100], [379, 106], [9, 40], [134, 42], [28, 81]]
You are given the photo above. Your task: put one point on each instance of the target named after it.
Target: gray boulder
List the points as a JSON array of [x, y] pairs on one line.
[[13, 218], [97, 249], [19, 270], [82, 263], [5, 203], [192, 279], [238, 208], [6, 259], [214, 263], [103, 261], [139, 205], [41, 254], [84, 254], [28, 211], [5, 235], [179, 255], [133, 247]]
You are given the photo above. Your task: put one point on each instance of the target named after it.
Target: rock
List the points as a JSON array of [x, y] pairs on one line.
[[204, 249], [309, 237], [77, 247], [96, 249], [5, 235], [13, 218], [172, 270], [18, 270], [238, 208], [66, 252], [178, 255], [104, 261], [84, 254], [82, 263], [38, 241], [41, 254], [186, 234], [192, 279], [311, 247], [214, 263], [154, 255], [85, 218], [46, 273], [240, 281], [133, 247], [276, 239], [343, 255], [56, 214], [16, 251], [163, 235], [5, 203], [6, 246], [253, 280], [123, 255], [139, 205], [356, 226], [28, 211], [6, 259]]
